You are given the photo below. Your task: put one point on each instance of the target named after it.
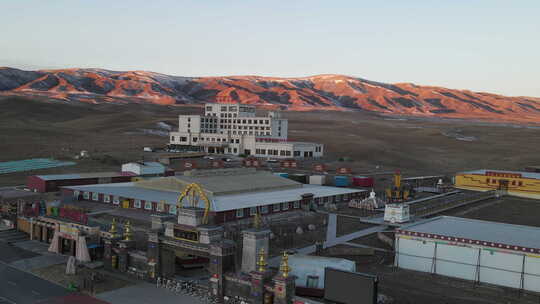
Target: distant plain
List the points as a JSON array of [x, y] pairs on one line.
[[116, 133]]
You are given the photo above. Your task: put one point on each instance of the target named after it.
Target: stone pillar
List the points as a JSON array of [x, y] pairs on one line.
[[258, 280], [221, 259], [153, 254], [123, 248], [108, 252], [44, 234], [253, 241], [31, 228], [284, 289]]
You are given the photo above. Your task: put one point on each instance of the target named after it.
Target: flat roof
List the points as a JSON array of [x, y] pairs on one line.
[[16, 193], [478, 230], [223, 181], [532, 175], [80, 175], [219, 202]]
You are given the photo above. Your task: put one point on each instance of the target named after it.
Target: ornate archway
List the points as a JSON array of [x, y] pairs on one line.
[[193, 193]]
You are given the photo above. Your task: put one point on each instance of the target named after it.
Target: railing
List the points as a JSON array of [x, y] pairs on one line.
[[191, 288], [446, 203]]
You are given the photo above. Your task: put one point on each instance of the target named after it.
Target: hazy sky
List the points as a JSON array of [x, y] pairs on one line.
[[479, 45]]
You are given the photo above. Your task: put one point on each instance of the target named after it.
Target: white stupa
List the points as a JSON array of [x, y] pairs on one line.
[[370, 203]]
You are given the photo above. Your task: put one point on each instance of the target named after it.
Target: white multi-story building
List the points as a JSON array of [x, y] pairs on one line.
[[235, 129]]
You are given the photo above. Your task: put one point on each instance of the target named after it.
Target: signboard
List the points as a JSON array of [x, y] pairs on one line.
[[186, 235], [68, 232], [190, 164], [252, 162], [343, 170], [503, 174], [349, 287], [289, 164], [319, 167], [217, 164]]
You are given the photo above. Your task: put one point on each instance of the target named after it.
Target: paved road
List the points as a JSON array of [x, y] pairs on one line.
[[19, 287], [146, 293]]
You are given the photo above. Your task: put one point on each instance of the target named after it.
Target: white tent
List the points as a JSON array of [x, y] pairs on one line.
[[54, 247], [82, 254]]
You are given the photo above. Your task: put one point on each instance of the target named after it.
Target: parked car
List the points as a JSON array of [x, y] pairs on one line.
[[225, 159], [148, 149], [208, 157]]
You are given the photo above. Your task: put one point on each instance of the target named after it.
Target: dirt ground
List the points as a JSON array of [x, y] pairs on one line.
[[509, 209], [346, 225], [411, 287], [56, 273], [114, 134]]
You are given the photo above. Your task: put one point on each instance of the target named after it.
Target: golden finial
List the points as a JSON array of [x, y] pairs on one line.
[[113, 228], [262, 261], [127, 232], [284, 267], [257, 220]]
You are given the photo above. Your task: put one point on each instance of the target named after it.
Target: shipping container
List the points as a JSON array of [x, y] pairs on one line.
[[317, 179], [363, 181], [341, 181]]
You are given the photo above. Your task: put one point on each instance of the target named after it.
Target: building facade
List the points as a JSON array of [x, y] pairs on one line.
[[233, 194], [480, 251], [235, 129], [523, 184]]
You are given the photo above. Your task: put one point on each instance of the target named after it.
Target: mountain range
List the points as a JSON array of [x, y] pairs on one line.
[[321, 92]]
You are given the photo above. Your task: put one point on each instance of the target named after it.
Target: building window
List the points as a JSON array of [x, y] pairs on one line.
[[513, 183], [252, 211], [160, 207], [172, 209], [183, 138], [296, 204], [76, 194], [148, 205], [276, 208], [86, 195], [239, 213], [137, 204], [264, 209], [520, 184], [107, 198], [95, 196], [285, 206], [116, 200]]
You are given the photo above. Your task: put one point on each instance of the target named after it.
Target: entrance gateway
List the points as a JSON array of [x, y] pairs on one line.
[[193, 234]]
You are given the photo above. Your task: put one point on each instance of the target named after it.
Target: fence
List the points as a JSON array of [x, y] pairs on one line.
[[191, 288]]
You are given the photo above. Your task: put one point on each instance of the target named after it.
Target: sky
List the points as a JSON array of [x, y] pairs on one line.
[[491, 46]]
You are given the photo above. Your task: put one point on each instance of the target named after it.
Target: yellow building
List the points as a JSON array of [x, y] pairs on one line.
[[523, 184]]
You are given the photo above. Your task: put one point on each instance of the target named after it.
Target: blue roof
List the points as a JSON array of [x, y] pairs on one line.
[[79, 175]]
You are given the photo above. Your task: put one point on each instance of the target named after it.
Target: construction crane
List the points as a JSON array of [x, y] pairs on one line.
[[193, 193]]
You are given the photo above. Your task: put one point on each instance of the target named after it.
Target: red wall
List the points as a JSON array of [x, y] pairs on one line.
[[35, 183]]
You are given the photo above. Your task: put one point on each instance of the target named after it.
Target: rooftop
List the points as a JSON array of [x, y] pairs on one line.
[[492, 232], [15, 193], [80, 175], [222, 181], [219, 202], [532, 175]]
